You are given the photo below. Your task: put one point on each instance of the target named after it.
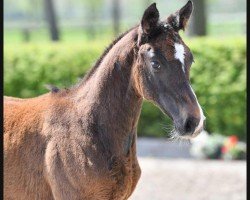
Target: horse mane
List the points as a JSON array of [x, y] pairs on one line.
[[83, 80], [98, 62]]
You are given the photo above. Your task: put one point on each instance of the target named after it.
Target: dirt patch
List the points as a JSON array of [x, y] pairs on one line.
[[190, 179]]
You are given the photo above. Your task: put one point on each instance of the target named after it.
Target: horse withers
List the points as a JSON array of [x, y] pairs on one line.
[[80, 143]]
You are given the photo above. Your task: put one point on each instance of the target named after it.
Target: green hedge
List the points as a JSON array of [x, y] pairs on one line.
[[218, 77]]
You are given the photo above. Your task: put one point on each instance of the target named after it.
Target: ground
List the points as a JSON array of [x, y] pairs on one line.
[[177, 176]]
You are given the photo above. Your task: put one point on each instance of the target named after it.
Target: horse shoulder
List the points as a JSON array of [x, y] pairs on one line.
[[24, 147]]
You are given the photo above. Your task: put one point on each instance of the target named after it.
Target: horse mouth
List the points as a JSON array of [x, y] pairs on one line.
[[178, 131], [177, 134]]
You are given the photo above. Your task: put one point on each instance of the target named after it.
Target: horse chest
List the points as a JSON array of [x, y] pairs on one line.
[[97, 175], [123, 173]]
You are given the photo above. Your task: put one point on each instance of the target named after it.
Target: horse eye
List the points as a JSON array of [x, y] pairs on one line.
[[155, 64]]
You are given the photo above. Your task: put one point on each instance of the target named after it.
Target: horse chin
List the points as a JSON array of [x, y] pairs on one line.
[[178, 135], [175, 134], [196, 133]]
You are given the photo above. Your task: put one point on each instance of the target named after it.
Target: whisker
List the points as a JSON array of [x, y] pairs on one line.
[[175, 137], [167, 128]]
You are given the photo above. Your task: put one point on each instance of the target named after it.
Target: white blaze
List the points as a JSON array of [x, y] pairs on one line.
[[202, 117], [179, 54]]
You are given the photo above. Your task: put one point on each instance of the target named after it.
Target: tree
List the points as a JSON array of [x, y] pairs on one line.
[[93, 9], [51, 19], [116, 16], [198, 21]]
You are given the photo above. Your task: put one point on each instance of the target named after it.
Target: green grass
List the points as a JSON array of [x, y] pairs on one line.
[[226, 29], [82, 35], [66, 35]]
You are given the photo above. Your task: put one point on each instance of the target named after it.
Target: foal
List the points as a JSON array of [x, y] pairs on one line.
[[80, 143]]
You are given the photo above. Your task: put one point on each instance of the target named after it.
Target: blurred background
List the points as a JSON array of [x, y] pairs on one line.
[[57, 41]]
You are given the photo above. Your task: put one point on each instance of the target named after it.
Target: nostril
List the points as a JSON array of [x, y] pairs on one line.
[[191, 124], [188, 126]]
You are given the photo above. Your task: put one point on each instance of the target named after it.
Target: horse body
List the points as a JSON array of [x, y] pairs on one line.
[[64, 156], [80, 143], [76, 144]]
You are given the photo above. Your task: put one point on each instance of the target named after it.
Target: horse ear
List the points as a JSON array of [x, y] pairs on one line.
[[150, 19], [180, 18]]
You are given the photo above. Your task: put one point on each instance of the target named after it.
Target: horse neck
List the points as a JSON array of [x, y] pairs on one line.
[[109, 97]]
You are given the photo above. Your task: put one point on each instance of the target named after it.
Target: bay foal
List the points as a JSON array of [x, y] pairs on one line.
[[80, 143]]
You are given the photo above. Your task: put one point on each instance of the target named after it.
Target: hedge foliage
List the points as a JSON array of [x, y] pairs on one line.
[[218, 77]]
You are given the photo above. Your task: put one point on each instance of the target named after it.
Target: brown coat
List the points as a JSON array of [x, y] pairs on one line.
[[77, 143]]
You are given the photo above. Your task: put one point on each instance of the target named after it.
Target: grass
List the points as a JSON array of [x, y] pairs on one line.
[[41, 35], [66, 35]]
